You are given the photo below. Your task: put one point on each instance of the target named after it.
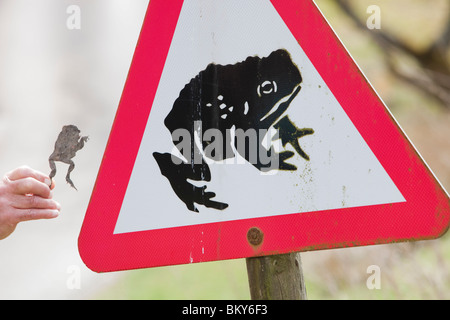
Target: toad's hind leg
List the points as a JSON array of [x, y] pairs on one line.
[[71, 167], [53, 168], [178, 175]]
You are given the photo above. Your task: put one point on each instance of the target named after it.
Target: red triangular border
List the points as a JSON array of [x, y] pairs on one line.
[[424, 215]]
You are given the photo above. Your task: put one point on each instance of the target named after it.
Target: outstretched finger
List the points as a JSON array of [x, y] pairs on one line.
[[30, 186], [34, 202], [27, 172], [36, 214]]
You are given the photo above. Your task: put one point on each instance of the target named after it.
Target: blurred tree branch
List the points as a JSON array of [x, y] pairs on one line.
[[428, 70]]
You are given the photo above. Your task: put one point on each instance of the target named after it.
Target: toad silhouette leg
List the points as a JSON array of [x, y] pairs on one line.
[[262, 159], [277, 161], [289, 133], [178, 174]]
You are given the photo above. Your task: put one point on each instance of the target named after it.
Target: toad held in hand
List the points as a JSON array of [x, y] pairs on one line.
[[68, 143]]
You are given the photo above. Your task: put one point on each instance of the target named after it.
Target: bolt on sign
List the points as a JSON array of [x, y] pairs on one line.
[[246, 129]]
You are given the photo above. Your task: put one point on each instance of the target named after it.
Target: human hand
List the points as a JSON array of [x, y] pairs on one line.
[[25, 195]]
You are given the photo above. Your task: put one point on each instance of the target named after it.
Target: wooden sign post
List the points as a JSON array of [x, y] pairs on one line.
[[278, 277]]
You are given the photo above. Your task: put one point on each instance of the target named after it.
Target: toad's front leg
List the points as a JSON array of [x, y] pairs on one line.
[[289, 133], [277, 161], [254, 151], [81, 143]]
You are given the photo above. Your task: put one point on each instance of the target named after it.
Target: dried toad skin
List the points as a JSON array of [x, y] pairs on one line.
[[66, 146]]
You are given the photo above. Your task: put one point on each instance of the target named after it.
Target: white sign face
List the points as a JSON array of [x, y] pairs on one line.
[[342, 171]]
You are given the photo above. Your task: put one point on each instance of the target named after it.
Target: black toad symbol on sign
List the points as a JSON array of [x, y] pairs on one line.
[[236, 104]]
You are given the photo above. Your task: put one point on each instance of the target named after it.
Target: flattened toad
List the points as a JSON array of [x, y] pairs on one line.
[[68, 143]]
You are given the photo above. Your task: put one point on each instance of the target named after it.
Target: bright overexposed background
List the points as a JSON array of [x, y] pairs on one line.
[[51, 76]]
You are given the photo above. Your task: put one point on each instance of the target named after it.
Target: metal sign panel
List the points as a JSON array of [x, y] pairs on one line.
[[245, 128]]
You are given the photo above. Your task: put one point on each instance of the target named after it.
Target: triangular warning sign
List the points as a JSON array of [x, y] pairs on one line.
[[244, 115], [342, 173]]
